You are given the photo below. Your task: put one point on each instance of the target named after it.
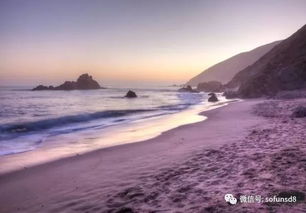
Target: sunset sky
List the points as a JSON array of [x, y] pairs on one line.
[[117, 41]]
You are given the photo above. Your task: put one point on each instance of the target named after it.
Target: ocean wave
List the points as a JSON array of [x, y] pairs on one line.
[[60, 121], [123, 97], [175, 107]]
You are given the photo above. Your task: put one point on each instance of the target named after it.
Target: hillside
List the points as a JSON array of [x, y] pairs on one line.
[[282, 68], [225, 70]]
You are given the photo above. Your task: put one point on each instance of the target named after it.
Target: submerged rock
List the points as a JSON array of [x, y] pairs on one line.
[[84, 82], [131, 94], [213, 97]]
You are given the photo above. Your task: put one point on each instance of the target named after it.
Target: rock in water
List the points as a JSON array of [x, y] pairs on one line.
[[68, 85], [212, 98], [131, 94], [188, 88], [84, 82], [40, 87]]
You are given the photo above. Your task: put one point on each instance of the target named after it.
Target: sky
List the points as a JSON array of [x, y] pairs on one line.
[[134, 41]]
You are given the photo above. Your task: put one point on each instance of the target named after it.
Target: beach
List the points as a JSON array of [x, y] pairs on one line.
[[251, 147], [152, 106]]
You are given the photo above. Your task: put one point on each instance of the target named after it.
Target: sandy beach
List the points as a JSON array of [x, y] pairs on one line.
[[252, 147], [152, 106]]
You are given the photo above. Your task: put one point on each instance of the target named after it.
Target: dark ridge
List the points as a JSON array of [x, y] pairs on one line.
[[225, 70], [282, 68]]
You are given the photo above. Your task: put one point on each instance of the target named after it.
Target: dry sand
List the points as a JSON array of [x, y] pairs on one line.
[[243, 149]]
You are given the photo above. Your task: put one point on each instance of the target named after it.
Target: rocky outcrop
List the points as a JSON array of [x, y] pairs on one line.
[[84, 82], [230, 94], [130, 94], [68, 85], [282, 68], [213, 97], [210, 86], [42, 87], [188, 88]]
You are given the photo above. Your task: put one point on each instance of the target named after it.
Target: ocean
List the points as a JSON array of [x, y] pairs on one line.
[[84, 120]]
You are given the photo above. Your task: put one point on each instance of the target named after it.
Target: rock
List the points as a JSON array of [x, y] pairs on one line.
[[213, 97], [210, 86], [188, 88], [131, 94], [299, 112], [231, 94], [68, 85], [84, 82], [40, 87]]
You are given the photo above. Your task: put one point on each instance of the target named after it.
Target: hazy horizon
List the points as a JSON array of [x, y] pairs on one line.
[[133, 41]]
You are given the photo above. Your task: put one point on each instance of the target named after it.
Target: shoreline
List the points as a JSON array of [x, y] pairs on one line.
[[123, 164], [110, 137]]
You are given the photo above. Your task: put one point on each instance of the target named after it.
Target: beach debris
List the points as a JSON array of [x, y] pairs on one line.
[[213, 97], [299, 112], [131, 94]]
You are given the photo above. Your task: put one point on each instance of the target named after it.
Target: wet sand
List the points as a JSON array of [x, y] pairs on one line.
[[237, 150]]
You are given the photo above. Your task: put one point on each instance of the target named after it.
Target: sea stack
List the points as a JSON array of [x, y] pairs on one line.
[[84, 82], [131, 94], [213, 97]]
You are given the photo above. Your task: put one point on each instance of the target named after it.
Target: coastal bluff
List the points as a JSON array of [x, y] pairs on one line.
[[84, 82]]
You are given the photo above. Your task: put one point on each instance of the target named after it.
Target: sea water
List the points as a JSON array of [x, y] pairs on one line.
[[50, 124]]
